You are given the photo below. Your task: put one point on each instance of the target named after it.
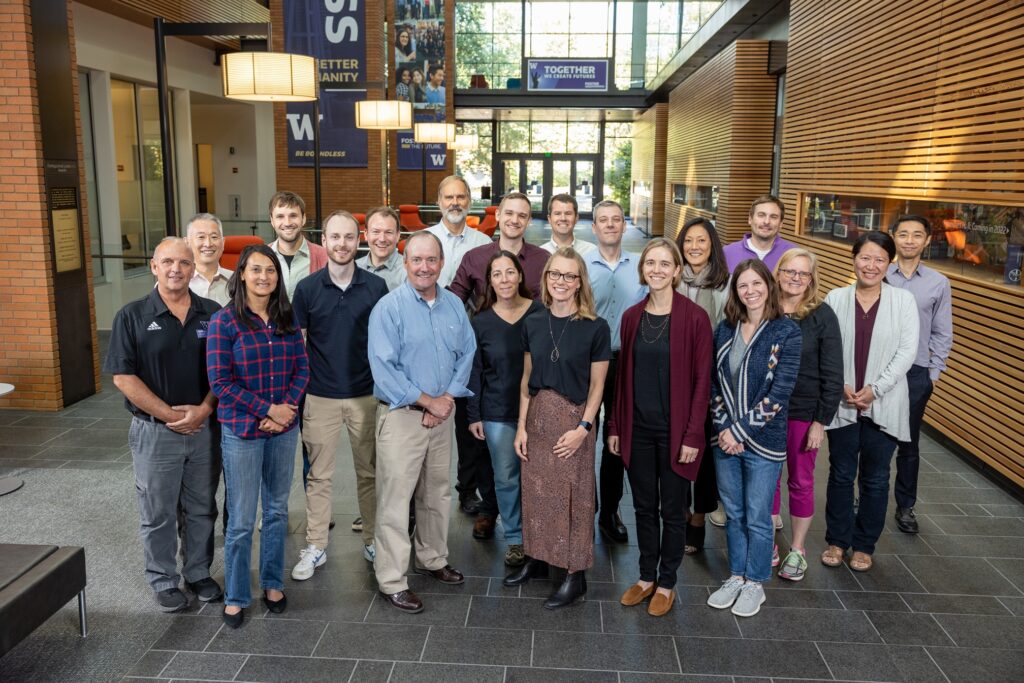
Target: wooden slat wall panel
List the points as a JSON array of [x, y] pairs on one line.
[[650, 131], [921, 100], [143, 11], [720, 126]]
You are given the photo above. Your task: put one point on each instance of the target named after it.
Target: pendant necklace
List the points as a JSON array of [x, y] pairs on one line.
[[554, 351], [660, 329]]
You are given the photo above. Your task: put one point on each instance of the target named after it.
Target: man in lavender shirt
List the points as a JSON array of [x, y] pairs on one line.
[[912, 235], [763, 241]]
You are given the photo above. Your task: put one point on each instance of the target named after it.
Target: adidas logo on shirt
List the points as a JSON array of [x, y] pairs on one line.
[[153, 326]]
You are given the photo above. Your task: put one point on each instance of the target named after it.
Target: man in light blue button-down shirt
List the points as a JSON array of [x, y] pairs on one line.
[[616, 283], [421, 349]]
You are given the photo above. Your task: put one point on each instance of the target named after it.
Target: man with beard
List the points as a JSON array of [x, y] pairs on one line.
[[383, 259], [454, 198], [421, 353], [563, 212], [299, 257], [333, 309], [763, 241]]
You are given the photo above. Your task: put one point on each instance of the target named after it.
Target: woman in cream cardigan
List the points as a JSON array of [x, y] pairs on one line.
[[879, 327]]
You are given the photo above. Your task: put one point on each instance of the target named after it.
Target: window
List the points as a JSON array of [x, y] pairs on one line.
[[618, 161], [982, 241], [554, 137], [139, 158], [488, 42], [475, 164], [703, 197], [780, 102]]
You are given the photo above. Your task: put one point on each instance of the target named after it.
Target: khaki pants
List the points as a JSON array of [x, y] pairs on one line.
[[322, 420], [413, 463]]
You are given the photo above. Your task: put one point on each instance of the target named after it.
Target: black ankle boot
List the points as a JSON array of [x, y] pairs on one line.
[[574, 586], [531, 569]]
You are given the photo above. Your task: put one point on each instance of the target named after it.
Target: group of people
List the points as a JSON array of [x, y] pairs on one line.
[[712, 367]]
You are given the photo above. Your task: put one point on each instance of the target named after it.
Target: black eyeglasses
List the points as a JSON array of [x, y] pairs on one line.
[[569, 278]]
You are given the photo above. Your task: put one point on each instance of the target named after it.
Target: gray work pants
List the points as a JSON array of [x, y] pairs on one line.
[[172, 468]]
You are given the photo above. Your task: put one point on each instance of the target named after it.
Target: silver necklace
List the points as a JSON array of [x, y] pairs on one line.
[[554, 351], [660, 329]]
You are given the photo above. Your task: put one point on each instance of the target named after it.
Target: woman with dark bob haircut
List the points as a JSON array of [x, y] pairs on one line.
[[257, 365], [879, 327], [704, 281]]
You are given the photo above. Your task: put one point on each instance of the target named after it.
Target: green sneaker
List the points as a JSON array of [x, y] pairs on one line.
[[793, 567]]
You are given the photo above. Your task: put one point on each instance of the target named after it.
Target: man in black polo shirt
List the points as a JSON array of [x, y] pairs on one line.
[[158, 359], [333, 308]]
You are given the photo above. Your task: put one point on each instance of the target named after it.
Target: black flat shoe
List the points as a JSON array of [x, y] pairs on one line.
[[234, 620], [530, 569], [572, 588], [694, 539], [613, 528], [275, 606]]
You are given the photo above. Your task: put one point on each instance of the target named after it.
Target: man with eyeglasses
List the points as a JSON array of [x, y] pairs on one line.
[[912, 235], [616, 283], [763, 241], [421, 350]]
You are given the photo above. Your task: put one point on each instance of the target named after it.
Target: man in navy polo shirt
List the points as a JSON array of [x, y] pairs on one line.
[[333, 308], [158, 359]]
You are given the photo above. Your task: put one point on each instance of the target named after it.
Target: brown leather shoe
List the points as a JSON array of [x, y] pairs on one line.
[[636, 594], [445, 575], [483, 528], [406, 600], [661, 604]]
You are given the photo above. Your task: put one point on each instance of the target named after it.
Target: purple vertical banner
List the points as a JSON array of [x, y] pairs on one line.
[[333, 33]]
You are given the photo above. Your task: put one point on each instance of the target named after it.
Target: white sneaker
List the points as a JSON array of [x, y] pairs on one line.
[[727, 594], [369, 553], [718, 517], [310, 558], [750, 600]]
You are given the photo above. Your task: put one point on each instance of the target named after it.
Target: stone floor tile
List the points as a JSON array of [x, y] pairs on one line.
[[306, 669], [899, 628], [270, 637], [189, 633], [982, 526], [872, 601], [615, 652], [976, 546], [478, 646], [991, 666], [204, 665], [535, 675], [691, 620], [955, 604], [980, 631], [773, 623], [864, 662], [959, 575], [372, 641], [372, 672], [529, 614], [152, 663], [443, 610], [406, 672], [326, 605], [733, 657], [1011, 569]]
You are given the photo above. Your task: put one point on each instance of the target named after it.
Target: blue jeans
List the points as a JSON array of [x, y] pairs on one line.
[[256, 469], [863, 452], [746, 485], [501, 438]]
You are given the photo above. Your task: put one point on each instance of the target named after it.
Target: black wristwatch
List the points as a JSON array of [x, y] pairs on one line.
[[586, 425]]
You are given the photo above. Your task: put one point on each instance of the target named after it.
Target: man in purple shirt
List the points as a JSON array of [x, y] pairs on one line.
[[935, 313], [469, 284], [513, 216], [763, 241]]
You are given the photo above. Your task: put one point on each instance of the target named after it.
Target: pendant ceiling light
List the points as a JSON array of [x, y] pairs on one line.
[[269, 77]]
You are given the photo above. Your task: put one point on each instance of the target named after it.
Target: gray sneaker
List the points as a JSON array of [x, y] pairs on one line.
[[726, 595], [750, 600], [794, 566]]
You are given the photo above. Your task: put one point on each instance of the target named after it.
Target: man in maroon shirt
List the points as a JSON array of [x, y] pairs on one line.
[[513, 217]]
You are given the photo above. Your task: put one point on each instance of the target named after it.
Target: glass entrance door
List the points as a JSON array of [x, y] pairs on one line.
[[542, 176]]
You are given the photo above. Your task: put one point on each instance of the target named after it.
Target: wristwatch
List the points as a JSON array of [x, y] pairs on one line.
[[586, 425]]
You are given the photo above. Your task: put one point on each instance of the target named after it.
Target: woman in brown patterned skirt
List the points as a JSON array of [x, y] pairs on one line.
[[567, 352]]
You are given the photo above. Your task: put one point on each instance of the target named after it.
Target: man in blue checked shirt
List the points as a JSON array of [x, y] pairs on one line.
[[421, 350]]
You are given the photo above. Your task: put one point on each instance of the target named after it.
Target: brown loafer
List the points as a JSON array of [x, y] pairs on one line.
[[446, 574], [406, 600], [832, 556], [483, 528], [661, 604], [636, 594], [860, 562]]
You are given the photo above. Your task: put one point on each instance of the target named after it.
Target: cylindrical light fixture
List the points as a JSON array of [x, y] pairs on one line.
[[269, 77], [383, 115], [465, 141], [435, 133]]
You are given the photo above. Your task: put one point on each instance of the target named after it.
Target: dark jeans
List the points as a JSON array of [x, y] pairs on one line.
[[705, 486], [863, 452], [658, 492], [908, 459], [612, 472], [474, 469]]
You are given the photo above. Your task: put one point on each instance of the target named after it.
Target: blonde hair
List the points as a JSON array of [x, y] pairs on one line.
[[811, 299], [672, 249], [585, 307]]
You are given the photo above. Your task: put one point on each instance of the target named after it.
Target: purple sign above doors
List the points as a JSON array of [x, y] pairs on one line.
[[567, 75]]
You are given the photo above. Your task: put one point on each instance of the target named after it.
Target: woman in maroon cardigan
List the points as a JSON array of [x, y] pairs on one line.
[[657, 425]]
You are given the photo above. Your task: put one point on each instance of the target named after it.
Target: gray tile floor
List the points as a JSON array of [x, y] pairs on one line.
[[947, 605]]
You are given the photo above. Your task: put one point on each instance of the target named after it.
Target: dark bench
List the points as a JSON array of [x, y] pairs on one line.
[[35, 582]]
